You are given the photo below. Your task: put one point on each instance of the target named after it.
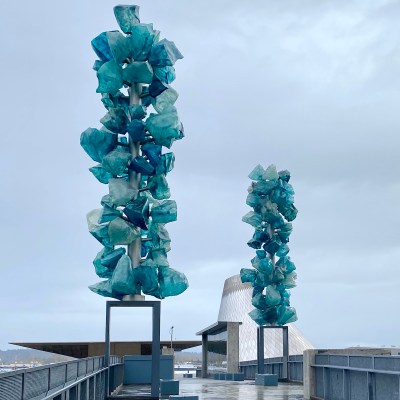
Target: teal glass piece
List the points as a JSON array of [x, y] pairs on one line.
[[284, 232], [108, 214], [164, 100], [284, 175], [158, 187], [289, 280], [260, 236], [138, 72], [137, 212], [146, 276], [165, 74], [123, 279], [110, 78], [286, 315], [164, 53], [142, 39], [104, 288], [136, 130], [97, 64], [273, 245], [263, 187], [257, 174], [122, 232], [165, 212], [160, 237], [286, 264], [258, 316], [146, 246], [127, 17], [283, 250], [97, 143], [165, 128], [290, 213], [100, 173], [157, 87], [271, 173], [121, 192], [252, 218], [145, 96], [166, 163], [137, 111], [272, 296], [159, 256], [270, 214], [106, 260], [116, 162], [254, 201], [98, 230], [141, 165], [258, 301], [116, 100], [152, 152], [115, 120], [248, 275], [172, 282], [263, 265], [111, 46]]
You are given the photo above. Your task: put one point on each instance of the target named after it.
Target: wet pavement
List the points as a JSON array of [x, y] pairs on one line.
[[209, 389]]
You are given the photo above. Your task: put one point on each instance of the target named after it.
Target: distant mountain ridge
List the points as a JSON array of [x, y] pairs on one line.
[[22, 356]]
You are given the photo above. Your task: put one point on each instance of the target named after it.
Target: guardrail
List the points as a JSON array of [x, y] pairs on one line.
[[274, 366], [81, 379], [347, 377]]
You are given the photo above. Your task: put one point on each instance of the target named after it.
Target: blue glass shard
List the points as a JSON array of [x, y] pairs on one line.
[[127, 17], [106, 260], [286, 315], [258, 301], [164, 100], [116, 161], [271, 173], [100, 173], [252, 218], [160, 237], [172, 283], [158, 187], [141, 165], [104, 288], [165, 128], [121, 192], [142, 39], [110, 78], [263, 187], [108, 214], [284, 175], [138, 72], [257, 174], [272, 296], [157, 87], [98, 230], [137, 111], [98, 143], [165, 212], [97, 64], [115, 120], [123, 280], [166, 163], [136, 130], [121, 231], [165, 74], [248, 275], [146, 276], [283, 250], [164, 53], [152, 152], [137, 212], [111, 46]]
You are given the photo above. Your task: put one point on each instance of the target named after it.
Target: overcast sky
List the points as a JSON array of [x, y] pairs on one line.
[[312, 86]]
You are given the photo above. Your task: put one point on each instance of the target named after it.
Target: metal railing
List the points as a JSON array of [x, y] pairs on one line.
[[274, 366], [348, 377], [82, 379]]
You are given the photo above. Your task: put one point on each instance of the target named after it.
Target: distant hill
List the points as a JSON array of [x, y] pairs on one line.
[[29, 356]]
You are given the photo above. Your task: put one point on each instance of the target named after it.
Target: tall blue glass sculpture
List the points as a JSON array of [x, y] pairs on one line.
[[271, 197], [134, 71]]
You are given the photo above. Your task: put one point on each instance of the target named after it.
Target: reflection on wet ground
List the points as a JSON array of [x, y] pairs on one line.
[[208, 389]]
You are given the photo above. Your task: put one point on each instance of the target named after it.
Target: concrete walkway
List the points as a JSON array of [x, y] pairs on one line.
[[209, 389]]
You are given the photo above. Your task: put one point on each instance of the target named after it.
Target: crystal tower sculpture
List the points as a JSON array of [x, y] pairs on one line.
[[134, 71], [271, 197]]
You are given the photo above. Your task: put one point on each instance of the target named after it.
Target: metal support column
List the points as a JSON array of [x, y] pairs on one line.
[[260, 350], [285, 358], [204, 364]]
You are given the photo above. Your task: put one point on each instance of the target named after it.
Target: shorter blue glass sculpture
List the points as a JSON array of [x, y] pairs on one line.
[[271, 197]]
